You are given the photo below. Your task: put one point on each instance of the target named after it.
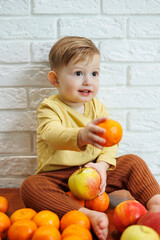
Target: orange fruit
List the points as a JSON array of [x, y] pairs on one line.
[[99, 203], [77, 230], [46, 217], [72, 237], [22, 230], [47, 233], [75, 217], [4, 223], [113, 132], [23, 213], [81, 202], [3, 204]]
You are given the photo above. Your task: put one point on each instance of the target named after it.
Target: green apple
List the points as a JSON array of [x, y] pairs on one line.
[[139, 232], [84, 183]]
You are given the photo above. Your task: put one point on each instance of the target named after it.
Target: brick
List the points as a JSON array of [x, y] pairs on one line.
[[34, 143], [130, 50], [144, 120], [24, 75], [28, 28], [13, 143], [14, 52], [40, 51], [63, 7], [144, 75], [14, 7], [157, 177], [11, 182], [18, 121], [130, 98], [135, 142], [103, 27], [12, 98], [144, 27], [131, 7], [152, 160], [113, 75], [120, 116], [18, 165], [36, 96]]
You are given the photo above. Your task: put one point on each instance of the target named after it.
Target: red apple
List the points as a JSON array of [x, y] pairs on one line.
[[127, 213], [152, 220], [84, 183]]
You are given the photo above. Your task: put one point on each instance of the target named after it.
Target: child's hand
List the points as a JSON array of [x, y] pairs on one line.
[[88, 135], [101, 168]]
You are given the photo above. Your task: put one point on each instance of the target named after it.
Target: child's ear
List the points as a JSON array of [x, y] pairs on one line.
[[52, 77]]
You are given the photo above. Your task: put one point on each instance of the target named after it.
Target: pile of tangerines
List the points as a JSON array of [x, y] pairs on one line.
[[27, 224]]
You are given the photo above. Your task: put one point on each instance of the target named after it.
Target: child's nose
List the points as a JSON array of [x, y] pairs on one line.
[[87, 80]]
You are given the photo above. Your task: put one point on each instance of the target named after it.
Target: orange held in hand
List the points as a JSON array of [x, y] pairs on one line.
[[99, 203], [75, 217], [113, 132], [3, 204]]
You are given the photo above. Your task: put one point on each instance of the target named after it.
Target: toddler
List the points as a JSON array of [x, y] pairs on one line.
[[67, 137]]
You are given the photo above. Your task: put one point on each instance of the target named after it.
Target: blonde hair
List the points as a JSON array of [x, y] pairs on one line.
[[70, 48]]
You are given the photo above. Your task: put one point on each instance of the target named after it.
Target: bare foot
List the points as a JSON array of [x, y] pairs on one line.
[[153, 205], [99, 222]]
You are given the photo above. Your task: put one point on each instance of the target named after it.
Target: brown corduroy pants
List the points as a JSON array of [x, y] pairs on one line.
[[48, 190]]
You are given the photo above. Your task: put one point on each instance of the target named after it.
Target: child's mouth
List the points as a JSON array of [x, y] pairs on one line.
[[85, 92]]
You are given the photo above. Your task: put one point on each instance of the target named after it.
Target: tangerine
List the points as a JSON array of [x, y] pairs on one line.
[[23, 213], [113, 132], [4, 223], [72, 237], [3, 204], [77, 230], [22, 230], [47, 233], [75, 217], [46, 217], [99, 203], [81, 202]]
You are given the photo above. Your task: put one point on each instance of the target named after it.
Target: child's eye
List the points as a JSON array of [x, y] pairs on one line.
[[78, 73], [94, 74]]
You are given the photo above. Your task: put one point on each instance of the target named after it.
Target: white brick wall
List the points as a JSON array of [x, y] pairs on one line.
[[128, 36]]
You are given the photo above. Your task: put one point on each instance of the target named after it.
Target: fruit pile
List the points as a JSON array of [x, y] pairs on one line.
[[134, 222], [26, 224]]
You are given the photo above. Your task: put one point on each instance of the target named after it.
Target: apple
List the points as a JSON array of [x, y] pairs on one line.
[[152, 220], [127, 213], [84, 183], [137, 232]]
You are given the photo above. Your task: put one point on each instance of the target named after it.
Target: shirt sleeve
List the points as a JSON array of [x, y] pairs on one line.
[[108, 155], [53, 133]]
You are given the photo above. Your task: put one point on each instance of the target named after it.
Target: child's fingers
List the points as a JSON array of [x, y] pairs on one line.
[[98, 130], [96, 145], [99, 120], [96, 139]]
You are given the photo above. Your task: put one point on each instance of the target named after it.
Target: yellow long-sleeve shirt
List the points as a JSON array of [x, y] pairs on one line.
[[58, 127]]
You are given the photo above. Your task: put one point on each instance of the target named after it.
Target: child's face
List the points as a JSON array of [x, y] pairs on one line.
[[79, 82]]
